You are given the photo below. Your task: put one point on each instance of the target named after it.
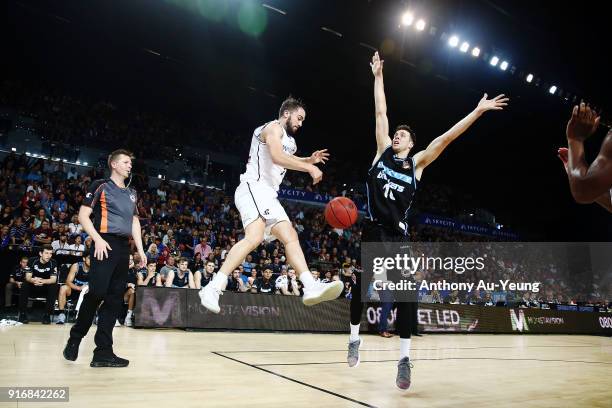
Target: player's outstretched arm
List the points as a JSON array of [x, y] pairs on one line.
[[425, 157], [383, 141], [605, 200], [587, 183]]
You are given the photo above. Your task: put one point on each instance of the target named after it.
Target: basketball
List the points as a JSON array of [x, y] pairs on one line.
[[341, 212]]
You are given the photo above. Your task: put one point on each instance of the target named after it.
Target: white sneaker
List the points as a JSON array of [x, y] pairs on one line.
[[61, 319], [209, 297], [322, 292], [129, 320], [117, 324]]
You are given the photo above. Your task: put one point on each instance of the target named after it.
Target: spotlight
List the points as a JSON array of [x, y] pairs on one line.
[[85, 163], [420, 25], [464, 47], [475, 52], [28, 154], [182, 181], [504, 66], [64, 160], [407, 18], [529, 78], [453, 41], [78, 162], [552, 90], [494, 61], [13, 149], [35, 155], [159, 176]]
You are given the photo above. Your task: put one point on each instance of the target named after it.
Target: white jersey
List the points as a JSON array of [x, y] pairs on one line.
[[260, 167]]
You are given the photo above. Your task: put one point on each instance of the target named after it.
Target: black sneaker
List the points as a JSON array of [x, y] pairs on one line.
[[71, 351], [113, 361], [23, 318], [46, 319]]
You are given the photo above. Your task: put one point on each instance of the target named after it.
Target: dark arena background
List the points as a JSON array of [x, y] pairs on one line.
[[182, 84]]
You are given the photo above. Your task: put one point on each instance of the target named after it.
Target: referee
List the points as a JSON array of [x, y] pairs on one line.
[[114, 220]]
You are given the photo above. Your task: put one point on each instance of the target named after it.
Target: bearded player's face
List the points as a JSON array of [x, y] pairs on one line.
[[295, 120]]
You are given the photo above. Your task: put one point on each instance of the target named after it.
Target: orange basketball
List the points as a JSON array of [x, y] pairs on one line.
[[341, 212]]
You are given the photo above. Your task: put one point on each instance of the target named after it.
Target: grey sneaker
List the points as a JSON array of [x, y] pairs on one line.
[[403, 374], [353, 353], [61, 319]]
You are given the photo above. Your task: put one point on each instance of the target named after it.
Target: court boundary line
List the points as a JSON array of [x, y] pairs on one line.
[[415, 349], [294, 380], [441, 359]]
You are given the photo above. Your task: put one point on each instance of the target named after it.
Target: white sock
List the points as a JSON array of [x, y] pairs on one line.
[[404, 348], [129, 313], [219, 281], [307, 279], [354, 333]]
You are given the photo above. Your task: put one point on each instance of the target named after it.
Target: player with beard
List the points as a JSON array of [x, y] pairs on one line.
[[272, 153]]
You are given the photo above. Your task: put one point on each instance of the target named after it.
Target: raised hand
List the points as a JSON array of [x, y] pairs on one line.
[[319, 156], [583, 123], [376, 64], [496, 103]]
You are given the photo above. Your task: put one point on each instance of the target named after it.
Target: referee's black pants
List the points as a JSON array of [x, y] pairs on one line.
[[405, 316], [107, 283]]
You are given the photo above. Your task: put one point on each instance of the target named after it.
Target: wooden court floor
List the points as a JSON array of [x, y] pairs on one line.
[[174, 368]]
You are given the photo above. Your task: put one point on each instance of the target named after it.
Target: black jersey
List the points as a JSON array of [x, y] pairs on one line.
[[81, 277], [391, 186], [180, 282], [42, 270]]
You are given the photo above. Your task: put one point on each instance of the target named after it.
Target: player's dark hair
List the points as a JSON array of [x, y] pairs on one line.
[[407, 129], [290, 104]]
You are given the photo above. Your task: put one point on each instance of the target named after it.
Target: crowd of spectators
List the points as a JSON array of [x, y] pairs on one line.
[[187, 232]]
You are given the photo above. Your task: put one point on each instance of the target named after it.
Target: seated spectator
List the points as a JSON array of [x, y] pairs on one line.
[[129, 296], [248, 264], [40, 217], [148, 276], [61, 246], [265, 284], [40, 281], [436, 297], [77, 248], [196, 263], [453, 298], [181, 278], [5, 237], [16, 279], [18, 231], [253, 277], [75, 226], [152, 253], [488, 300], [286, 283], [76, 282], [203, 276], [328, 277], [43, 235], [162, 276], [474, 298], [235, 282]]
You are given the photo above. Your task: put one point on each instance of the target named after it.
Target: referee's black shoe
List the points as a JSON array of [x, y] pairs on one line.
[[71, 351], [112, 361]]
